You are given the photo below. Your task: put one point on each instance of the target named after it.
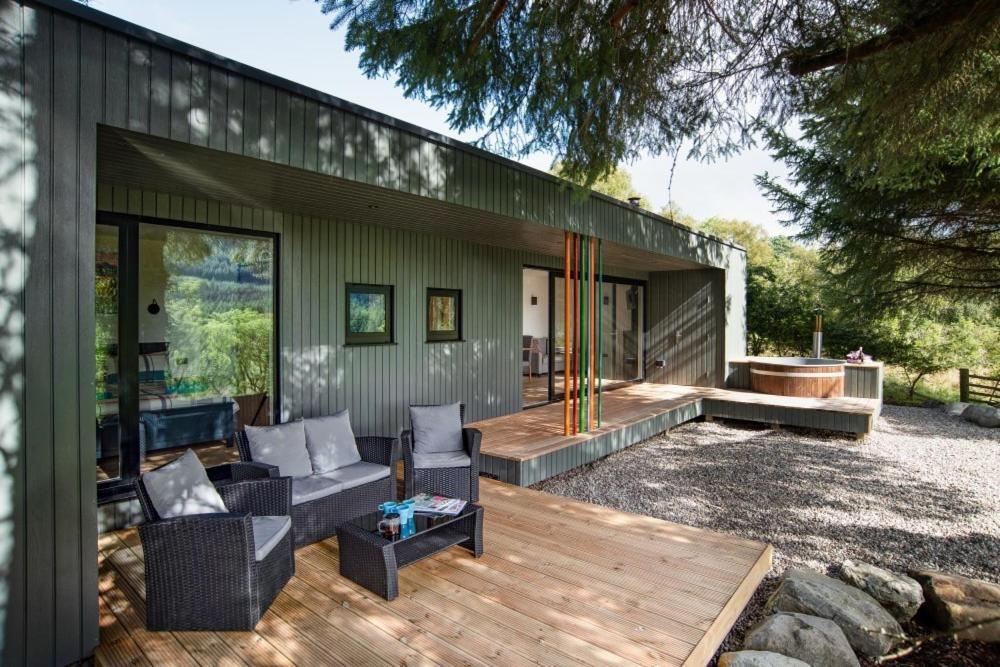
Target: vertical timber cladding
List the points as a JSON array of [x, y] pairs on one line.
[[687, 328], [319, 374], [67, 69]]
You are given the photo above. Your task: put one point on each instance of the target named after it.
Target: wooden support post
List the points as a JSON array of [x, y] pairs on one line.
[[567, 253], [963, 385], [575, 270]]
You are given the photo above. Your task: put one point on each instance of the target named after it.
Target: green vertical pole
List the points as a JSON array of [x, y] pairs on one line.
[[600, 332], [584, 296]]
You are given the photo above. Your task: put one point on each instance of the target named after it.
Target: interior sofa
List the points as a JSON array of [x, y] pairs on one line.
[[335, 476]]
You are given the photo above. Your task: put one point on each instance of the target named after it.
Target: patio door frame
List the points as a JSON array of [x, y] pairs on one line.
[[121, 487], [559, 273]]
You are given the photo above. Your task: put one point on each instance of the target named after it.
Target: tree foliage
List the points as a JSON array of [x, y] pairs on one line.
[[616, 183], [599, 83]]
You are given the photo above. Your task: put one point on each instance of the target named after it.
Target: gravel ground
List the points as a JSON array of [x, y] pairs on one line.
[[923, 490]]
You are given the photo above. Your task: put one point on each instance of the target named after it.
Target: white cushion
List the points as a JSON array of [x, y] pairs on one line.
[[437, 428], [442, 460], [330, 442], [357, 474], [307, 489], [182, 488], [267, 532], [282, 445]]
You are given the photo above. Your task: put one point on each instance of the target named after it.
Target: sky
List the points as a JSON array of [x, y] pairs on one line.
[[292, 39]]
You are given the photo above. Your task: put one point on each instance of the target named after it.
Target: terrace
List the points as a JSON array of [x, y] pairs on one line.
[[561, 582]]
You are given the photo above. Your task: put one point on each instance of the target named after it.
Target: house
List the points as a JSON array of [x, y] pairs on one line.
[[191, 244]]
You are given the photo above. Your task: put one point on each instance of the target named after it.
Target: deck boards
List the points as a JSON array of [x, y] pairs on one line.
[[561, 583], [538, 431]]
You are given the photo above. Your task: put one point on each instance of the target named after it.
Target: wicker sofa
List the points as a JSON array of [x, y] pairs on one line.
[[454, 474], [318, 507], [218, 571]]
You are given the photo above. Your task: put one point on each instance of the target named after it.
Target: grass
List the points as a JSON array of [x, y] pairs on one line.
[[939, 388]]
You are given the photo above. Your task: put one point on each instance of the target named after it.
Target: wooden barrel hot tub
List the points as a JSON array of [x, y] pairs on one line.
[[797, 376]]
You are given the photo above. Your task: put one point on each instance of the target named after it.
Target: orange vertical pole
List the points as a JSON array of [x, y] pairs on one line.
[[576, 315], [593, 341], [567, 251]]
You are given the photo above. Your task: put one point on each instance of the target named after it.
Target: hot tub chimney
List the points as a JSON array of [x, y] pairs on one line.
[[634, 201], [818, 333]]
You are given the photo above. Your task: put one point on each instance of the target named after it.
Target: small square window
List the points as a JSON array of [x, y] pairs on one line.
[[444, 314], [369, 314]]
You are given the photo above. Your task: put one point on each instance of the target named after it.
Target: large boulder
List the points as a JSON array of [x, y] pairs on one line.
[[899, 594], [955, 602], [869, 628], [984, 415], [813, 640], [758, 659]]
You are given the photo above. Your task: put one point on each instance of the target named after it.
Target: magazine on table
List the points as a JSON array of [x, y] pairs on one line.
[[428, 503]]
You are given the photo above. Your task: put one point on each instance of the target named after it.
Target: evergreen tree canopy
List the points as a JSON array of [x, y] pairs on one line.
[[598, 83]]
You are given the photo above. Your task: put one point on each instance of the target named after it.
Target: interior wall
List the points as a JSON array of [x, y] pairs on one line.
[[535, 318], [687, 328]]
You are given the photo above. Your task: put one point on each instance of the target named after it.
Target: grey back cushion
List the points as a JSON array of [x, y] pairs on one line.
[[436, 428], [182, 488], [330, 442], [282, 445]]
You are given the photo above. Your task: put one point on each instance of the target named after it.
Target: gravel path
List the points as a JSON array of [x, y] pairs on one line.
[[923, 490]]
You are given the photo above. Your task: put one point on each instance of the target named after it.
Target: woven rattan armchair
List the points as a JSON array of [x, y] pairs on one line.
[[460, 482], [201, 570], [318, 519]]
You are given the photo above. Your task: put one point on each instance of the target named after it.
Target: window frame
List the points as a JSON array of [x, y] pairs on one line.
[[451, 335], [122, 487], [372, 338]]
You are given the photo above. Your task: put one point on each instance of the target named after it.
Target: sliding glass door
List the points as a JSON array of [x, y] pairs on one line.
[[185, 343], [622, 326]]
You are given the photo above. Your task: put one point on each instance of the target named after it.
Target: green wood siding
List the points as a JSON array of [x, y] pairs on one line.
[[687, 327], [67, 69]]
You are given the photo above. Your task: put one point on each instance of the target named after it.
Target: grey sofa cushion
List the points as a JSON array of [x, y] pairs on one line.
[[330, 442], [314, 487], [436, 428], [182, 488], [442, 460], [357, 474], [282, 445], [267, 532]]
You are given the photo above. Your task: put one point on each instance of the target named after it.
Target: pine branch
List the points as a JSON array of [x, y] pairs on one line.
[[945, 17], [488, 24]]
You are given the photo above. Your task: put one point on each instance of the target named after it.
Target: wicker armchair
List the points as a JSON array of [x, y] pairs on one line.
[[318, 519], [460, 482], [201, 570]]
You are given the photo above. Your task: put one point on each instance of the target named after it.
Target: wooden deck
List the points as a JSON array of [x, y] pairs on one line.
[[529, 446], [561, 583]]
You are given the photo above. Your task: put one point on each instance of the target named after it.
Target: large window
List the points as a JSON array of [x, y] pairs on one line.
[[185, 343]]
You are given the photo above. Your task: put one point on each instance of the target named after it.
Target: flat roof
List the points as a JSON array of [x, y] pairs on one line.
[[136, 31]]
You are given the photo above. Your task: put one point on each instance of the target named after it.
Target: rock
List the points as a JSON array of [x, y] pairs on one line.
[[758, 659], [955, 409], [984, 415], [900, 595], [813, 640], [954, 602], [869, 628]]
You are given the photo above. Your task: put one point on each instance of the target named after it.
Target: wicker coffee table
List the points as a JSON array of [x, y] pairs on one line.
[[372, 561]]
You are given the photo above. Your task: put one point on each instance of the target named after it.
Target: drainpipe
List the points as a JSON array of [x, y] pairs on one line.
[[818, 333]]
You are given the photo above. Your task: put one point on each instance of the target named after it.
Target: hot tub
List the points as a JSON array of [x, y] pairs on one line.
[[797, 376]]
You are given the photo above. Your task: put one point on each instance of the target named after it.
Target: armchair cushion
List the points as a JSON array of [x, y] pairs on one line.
[[282, 445], [436, 428], [330, 442], [267, 532], [442, 460], [314, 487], [182, 488], [357, 474]]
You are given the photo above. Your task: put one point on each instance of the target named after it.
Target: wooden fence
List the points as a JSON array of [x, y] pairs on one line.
[[979, 388]]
